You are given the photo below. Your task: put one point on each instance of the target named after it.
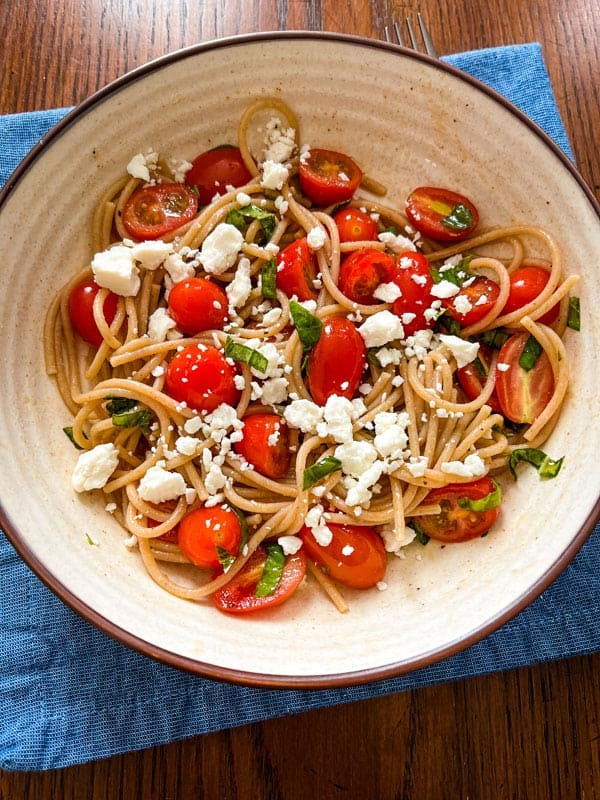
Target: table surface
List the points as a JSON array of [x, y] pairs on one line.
[[527, 733]]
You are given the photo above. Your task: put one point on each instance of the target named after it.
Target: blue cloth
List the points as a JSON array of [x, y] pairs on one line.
[[69, 694]]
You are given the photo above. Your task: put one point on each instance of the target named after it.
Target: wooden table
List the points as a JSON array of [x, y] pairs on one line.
[[529, 733]]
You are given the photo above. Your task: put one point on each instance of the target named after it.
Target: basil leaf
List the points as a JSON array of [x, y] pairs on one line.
[[243, 525], [272, 570], [574, 315], [531, 352], [372, 356], [491, 500], [479, 367], [246, 355], [308, 326], [457, 274], [320, 469], [226, 558], [495, 338], [117, 405], [547, 467], [241, 216], [69, 433], [421, 536], [139, 418], [459, 219], [268, 279], [449, 323]]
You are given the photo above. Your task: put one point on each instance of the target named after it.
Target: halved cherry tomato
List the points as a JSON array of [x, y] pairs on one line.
[[265, 444], [237, 596], [207, 536], [456, 524], [355, 225], [362, 272], [480, 295], [355, 556], [153, 211], [202, 378], [198, 304], [472, 377], [525, 285], [441, 214], [337, 361], [328, 177], [81, 311], [522, 394], [214, 170], [297, 270], [413, 277]]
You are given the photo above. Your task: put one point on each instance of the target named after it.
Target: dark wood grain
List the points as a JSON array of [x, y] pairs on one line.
[[530, 733]]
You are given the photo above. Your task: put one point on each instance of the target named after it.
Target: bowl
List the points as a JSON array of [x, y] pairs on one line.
[[427, 124]]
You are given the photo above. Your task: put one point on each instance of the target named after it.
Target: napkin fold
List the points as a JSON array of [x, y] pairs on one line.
[[69, 694]]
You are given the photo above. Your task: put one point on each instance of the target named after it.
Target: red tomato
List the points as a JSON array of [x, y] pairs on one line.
[[355, 556], [481, 295], [355, 225], [207, 535], [471, 378], [202, 378], [441, 214], [456, 524], [328, 177], [153, 211], [337, 361], [214, 170], [297, 270], [525, 285], [81, 311], [522, 394], [362, 272], [414, 279], [265, 444], [237, 596], [198, 304]]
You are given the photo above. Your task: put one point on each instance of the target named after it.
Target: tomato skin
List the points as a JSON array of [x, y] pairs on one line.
[[363, 568], [237, 596], [337, 361], [522, 394], [198, 304], [471, 381], [202, 378], [416, 294], [81, 311], [355, 225], [272, 460], [455, 524], [204, 530], [216, 169], [427, 206], [481, 287], [297, 270], [321, 176], [153, 211], [526, 283], [362, 272]]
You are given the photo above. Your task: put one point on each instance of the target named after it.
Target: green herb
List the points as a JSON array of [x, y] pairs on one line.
[[547, 467], [320, 469], [246, 355], [243, 525], [479, 367], [308, 326], [574, 315], [372, 356], [421, 536], [531, 352], [457, 274], [138, 418], [69, 433], [392, 229], [118, 405], [272, 570], [339, 207], [226, 558], [491, 500], [449, 323], [268, 279], [240, 217], [495, 338], [459, 219], [90, 541]]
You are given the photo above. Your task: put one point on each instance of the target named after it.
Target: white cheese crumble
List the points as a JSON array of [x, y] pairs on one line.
[[239, 289], [316, 522], [280, 142], [381, 328], [94, 467], [464, 352], [387, 292], [159, 485], [472, 467], [274, 175], [159, 324], [141, 164], [444, 289], [115, 269], [316, 238], [220, 248], [289, 544], [396, 242]]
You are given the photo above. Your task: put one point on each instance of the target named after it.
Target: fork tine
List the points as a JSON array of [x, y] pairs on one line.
[[399, 37], [429, 46], [414, 39]]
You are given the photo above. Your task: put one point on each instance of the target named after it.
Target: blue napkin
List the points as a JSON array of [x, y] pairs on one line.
[[69, 694]]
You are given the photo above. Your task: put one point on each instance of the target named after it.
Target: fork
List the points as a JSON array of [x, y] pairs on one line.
[[414, 39]]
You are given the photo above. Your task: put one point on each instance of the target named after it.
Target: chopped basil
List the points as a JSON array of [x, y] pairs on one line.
[[268, 279], [459, 219], [90, 541], [449, 323], [457, 274], [547, 467], [139, 418], [308, 326], [246, 355], [420, 535], [241, 216], [243, 525], [479, 367], [272, 570], [574, 315], [372, 356], [118, 405], [531, 352], [320, 469], [491, 500], [69, 433], [226, 558], [495, 338]]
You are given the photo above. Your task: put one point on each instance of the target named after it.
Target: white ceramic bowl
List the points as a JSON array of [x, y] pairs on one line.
[[408, 120]]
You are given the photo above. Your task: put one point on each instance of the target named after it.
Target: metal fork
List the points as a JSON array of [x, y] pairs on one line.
[[412, 35]]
